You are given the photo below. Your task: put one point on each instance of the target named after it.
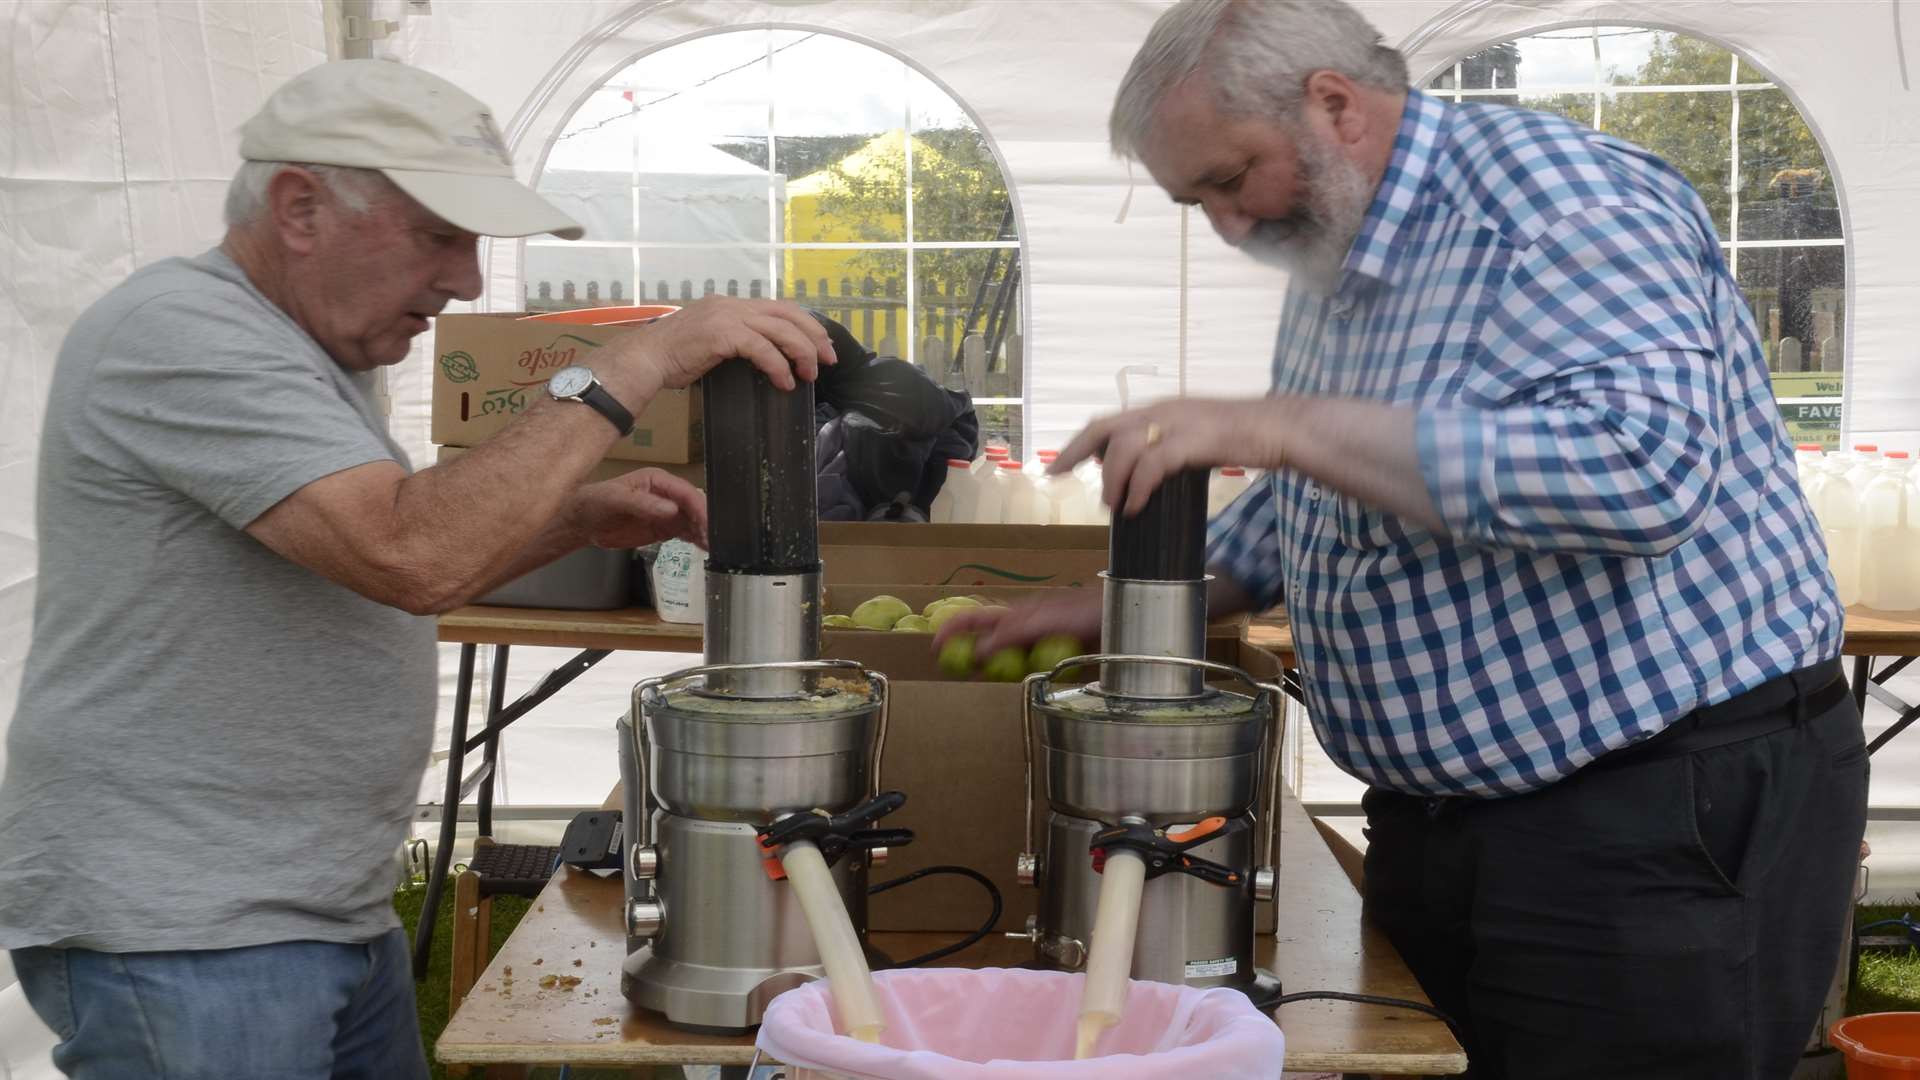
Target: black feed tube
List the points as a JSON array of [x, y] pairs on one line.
[[1167, 539], [761, 505]]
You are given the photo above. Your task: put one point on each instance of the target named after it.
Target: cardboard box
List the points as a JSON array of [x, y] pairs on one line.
[[489, 368], [695, 474], [965, 557], [953, 746], [954, 749]]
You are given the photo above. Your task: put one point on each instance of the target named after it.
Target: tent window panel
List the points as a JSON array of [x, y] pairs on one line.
[[677, 275], [1562, 58], [1786, 192], [1743, 146], [967, 324], [1798, 298], [797, 164], [863, 290], [1636, 57], [958, 192], [1000, 426], [840, 141], [1693, 132], [1575, 107], [557, 278]]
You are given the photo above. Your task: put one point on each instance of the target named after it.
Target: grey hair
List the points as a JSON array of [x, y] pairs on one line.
[[1256, 54], [357, 189]]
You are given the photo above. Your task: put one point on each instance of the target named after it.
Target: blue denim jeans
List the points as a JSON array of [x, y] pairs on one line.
[[295, 1010]]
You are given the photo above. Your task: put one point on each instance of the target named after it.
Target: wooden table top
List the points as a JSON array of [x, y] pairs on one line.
[[634, 628], [573, 931], [1868, 632]]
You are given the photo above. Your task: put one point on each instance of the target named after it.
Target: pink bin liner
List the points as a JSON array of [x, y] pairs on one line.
[[1005, 1024]]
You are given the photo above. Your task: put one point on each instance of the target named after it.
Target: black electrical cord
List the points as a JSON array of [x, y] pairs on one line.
[[1274, 1001], [962, 871]]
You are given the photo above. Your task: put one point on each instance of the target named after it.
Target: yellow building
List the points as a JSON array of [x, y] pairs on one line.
[[876, 175]]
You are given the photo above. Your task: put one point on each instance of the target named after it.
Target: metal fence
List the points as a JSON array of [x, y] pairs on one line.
[[968, 339]]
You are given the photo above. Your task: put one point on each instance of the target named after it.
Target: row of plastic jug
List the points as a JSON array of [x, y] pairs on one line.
[[1868, 505], [994, 489]]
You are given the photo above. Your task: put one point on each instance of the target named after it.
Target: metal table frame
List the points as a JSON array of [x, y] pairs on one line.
[[1868, 683], [459, 786]]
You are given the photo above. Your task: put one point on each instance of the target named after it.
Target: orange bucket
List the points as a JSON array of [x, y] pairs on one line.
[[604, 316], [1879, 1046]]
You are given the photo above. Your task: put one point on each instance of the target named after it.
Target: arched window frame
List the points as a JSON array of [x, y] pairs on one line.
[[610, 49], [1428, 59]]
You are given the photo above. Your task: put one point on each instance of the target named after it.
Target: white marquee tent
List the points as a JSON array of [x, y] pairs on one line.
[[118, 131]]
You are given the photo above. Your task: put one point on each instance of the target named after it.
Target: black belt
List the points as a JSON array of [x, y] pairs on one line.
[[1774, 705]]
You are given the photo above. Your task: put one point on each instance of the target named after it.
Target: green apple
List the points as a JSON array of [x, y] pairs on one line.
[[913, 624], [1007, 665], [947, 611], [839, 622], [1052, 649], [881, 612], [956, 656], [949, 601]]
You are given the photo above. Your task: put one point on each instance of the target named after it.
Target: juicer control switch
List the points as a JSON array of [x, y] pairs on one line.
[[1030, 934], [645, 918], [1027, 868], [1264, 883], [643, 862]]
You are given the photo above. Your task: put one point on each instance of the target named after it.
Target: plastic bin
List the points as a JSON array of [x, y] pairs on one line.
[[1879, 1046], [590, 579], [1008, 1024]]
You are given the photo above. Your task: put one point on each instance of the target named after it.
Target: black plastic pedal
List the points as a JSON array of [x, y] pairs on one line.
[[593, 840]]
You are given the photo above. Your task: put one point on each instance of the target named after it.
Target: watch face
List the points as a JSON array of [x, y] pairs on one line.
[[570, 381]]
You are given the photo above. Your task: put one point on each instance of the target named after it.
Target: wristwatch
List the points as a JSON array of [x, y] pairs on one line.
[[576, 382]]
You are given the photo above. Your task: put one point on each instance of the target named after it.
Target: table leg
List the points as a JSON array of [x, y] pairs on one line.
[[1907, 713], [496, 689], [449, 814], [1862, 674]]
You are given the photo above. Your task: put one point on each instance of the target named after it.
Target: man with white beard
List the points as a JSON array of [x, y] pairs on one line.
[[1555, 591]]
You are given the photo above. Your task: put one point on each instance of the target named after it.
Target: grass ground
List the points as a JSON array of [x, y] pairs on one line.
[[1889, 979]]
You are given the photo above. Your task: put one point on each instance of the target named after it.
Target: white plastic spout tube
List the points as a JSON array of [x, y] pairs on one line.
[[839, 946], [1110, 957]]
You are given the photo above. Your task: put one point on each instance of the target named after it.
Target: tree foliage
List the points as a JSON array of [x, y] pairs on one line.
[[958, 195]]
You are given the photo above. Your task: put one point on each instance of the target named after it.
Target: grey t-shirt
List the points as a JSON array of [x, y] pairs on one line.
[[214, 747]]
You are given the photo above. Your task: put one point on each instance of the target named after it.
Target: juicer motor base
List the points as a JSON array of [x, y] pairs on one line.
[[711, 1000]]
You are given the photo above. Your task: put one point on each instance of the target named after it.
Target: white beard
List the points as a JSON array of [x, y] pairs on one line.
[[1313, 243]]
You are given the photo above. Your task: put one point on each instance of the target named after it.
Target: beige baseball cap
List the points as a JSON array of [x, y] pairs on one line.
[[435, 142]]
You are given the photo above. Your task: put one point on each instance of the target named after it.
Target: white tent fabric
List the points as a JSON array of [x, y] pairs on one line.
[[120, 131]]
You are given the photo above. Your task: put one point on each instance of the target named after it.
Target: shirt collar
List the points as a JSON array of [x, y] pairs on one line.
[[1377, 248]]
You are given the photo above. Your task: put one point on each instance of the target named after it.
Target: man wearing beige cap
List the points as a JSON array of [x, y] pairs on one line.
[[229, 699]]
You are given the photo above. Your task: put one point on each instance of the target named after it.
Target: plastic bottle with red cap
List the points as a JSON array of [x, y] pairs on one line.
[[1227, 484], [957, 495], [1836, 504], [1863, 466], [1025, 505]]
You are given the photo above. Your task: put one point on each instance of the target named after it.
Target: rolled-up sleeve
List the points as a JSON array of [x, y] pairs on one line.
[[1243, 543], [1605, 388]]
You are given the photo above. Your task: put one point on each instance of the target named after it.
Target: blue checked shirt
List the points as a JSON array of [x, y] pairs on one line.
[[1626, 539]]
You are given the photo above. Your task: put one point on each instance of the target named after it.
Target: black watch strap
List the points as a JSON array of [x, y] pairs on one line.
[[596, 397]]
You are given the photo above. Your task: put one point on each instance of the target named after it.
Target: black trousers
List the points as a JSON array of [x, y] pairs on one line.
[[1673, 910]]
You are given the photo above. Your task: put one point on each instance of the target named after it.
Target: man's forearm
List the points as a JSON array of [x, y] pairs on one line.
[[499, 510], [1364, 449], [558, 539]]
